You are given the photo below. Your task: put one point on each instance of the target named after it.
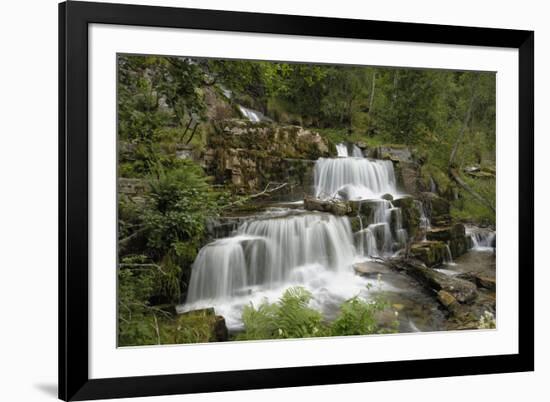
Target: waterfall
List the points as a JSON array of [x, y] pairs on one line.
[[482, 239], [342, 149], [356, 152], [266, 252], [384, 232], [425, 223], [448, 259], [252, 115], [353, 178]]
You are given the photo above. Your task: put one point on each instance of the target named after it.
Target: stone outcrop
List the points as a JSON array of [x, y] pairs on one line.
[[431, 253], [335, 207], [251, 155], [461, 290], [394, 153], [455, 236], [410, 211], [438, 208]]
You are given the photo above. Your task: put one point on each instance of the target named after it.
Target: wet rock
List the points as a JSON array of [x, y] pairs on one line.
[[335, 207], [486, 282], [356, 224], [251, 155], [371, 268], [454, 236], [410, 213], [462, 290], [446, 299], [408, 176], [438, 207], [482, 281], [447, 233], [387, 197], [394, 153], [431, 253]]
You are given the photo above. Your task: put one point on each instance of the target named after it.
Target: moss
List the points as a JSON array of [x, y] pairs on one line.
[[410, 213], [199, 326], [431, 253]]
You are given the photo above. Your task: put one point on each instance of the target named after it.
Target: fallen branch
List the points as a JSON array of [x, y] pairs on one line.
[[456, 177], [126, 240], [266, 190], [136, 265]]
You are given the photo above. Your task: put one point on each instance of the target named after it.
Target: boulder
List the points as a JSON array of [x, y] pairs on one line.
[[387, 197], [454, 236], [371, 268], [410, 212], [203, 320], [447, 233], [335, 207], [486, 282], [462, 290], [393, 152], [437, 206], [446, 299], [431, 253]]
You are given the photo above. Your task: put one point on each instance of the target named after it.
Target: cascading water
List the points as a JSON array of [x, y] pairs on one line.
[[252, 115], [265, 255], [353, 178], [482, 239], [384, 232], [342, 149]]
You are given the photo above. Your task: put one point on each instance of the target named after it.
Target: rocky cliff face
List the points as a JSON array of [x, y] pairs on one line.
[[251, 155]]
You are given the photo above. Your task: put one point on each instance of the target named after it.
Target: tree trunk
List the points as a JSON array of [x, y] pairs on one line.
[[371, 101]]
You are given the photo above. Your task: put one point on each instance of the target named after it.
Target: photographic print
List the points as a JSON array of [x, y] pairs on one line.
[[262, 200]]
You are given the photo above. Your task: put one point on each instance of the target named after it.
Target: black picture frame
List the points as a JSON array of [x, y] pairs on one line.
[[74, 381]]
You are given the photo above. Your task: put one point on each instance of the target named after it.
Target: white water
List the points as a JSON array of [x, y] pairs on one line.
[[353, 178], [266, 256], [482, 239], [342, 151], [251, 115]]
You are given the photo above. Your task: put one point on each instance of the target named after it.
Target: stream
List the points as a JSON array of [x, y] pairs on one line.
[[285, 246]]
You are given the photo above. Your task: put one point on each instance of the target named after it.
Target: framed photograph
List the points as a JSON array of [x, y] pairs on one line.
[[257, 201]]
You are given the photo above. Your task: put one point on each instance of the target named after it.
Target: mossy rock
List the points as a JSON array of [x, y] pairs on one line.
[[431, 253], [355, 223], [410, 212], [200, 326], [447, 233]]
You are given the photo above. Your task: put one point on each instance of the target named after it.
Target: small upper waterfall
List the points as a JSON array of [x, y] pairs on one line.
[[267, 251], [252, 115], [342, 149], [353, 178]]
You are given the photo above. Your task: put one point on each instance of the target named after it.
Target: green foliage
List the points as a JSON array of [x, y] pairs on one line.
[[178, 205], [357, 317], [140, 322], [291, 317], [468, 209]]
